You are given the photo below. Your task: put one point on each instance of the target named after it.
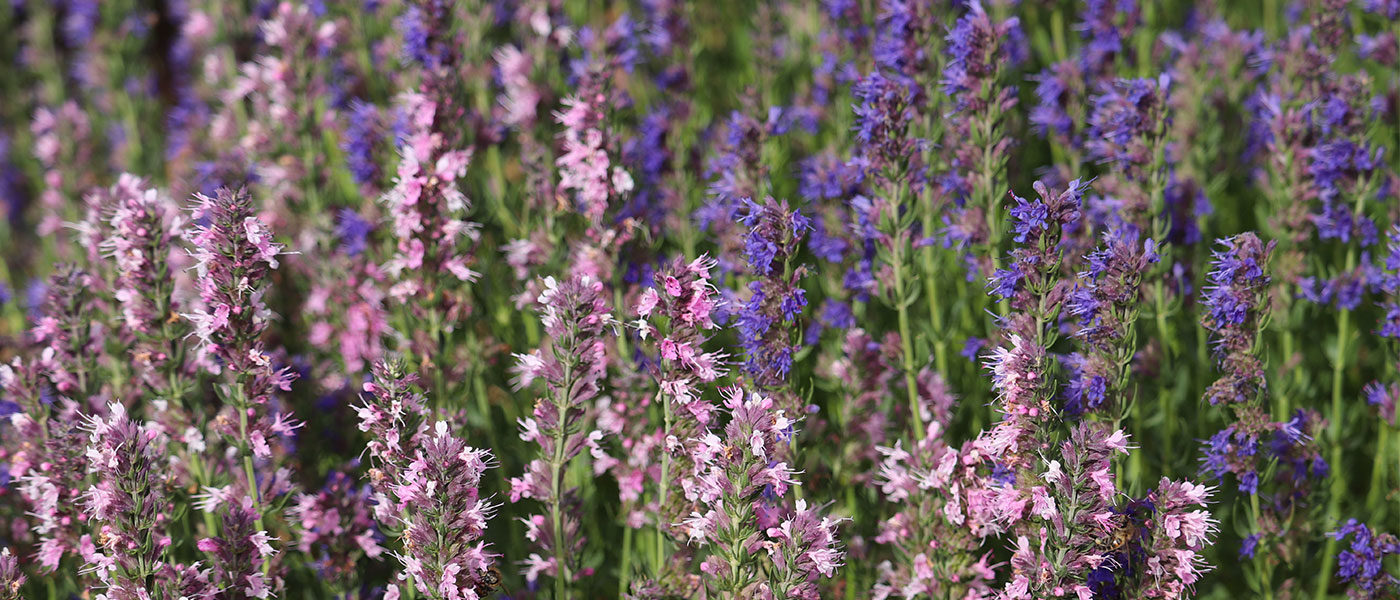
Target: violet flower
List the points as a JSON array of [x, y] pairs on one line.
[[768, 325], [1106, 301], [980, 52], [1361, 565], [1233, 298]]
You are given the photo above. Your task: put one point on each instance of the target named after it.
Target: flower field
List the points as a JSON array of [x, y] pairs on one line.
[[653, 299]]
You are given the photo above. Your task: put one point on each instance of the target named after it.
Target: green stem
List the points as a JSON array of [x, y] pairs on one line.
[[1334, 422], [556, 508], [1378, 467], [664, 491], [1261, 569], [624, 574], [1334, 427], [906, 342]]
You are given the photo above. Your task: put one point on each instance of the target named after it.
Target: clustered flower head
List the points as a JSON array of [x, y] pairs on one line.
[[234, 255], [1032, 280], [47, 462], [417, 226], [131, 509], [682, 307], [578, 322], [1234, 301], [67, 332], [1163, 537], [1126, 121], [1106, 302], [1361, 565], [1037, 568], [143, 228], [427, 208], [738, 482], [946, 510], [11, 578], [426, 493], [337, 526], [239, 552], [445, 517], [584, 165], [1245, 449], [768, 319], [978, 50]]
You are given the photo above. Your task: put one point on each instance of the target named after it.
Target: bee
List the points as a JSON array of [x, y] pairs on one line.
[[1122, 536], [731, 453], [489, 582]]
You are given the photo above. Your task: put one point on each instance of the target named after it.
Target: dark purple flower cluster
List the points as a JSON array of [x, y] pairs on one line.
[[1361, 566], [885, 111], [1106, 301], [978, 50], [1032, 281], [1234, 300], [768, 328], [1127, 120]]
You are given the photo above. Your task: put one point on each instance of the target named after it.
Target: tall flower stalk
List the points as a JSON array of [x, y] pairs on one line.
[[678, 315], [235, 255], [577, 321], [737, 482]]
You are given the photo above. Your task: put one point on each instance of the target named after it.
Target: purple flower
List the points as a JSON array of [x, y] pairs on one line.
[[1233, 299], [362, 129], [1126, 120], [978, 49], [1361, 566]]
